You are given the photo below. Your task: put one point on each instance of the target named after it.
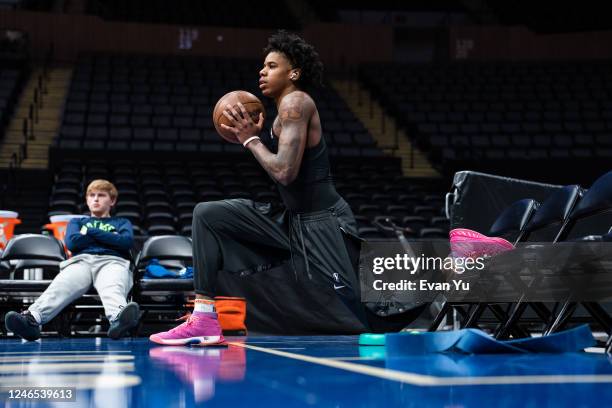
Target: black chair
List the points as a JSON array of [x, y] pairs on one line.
[[554, 211], [28, 251], [167, 298], [172, 251], [23, 252], [544, 226], [513, 220], [160, 229], [5, 269], [415, 223], [597, 200], [433, 233]]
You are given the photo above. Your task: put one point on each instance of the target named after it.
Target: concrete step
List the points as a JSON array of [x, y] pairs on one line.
[[56, 86], [39, 137], [34, 164], [13, 146], [50, 97], [384, 129], [9, 146], [5, 162], [34, 161], [46, 114], [47, 125], [48, 101], [35, 142], [49, 118], [38, 148]]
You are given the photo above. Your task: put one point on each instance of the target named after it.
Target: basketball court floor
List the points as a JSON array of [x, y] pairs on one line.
[[319, 371]]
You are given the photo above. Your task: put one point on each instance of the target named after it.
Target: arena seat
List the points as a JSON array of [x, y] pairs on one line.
[[544, 226], [168, 249], [97, 113], [147, 187], [25, 252], [163, 297], [514, 112], [597, 200], [512, 220]]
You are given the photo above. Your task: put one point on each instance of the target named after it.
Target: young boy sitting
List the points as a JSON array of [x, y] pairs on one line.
[[100, 245]]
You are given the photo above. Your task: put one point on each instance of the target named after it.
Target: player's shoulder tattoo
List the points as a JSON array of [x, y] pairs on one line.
[[295, 107]]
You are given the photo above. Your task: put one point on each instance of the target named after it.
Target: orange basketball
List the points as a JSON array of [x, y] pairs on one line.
[[251, 103]]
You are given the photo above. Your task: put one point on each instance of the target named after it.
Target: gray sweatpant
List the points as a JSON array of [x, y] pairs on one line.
[[110, 275]]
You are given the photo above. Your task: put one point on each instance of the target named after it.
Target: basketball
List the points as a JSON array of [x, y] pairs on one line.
[[251, 103]]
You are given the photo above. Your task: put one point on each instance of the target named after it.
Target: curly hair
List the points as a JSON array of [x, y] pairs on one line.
[[301, 55]]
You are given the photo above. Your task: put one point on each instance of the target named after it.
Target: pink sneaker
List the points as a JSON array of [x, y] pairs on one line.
[[466, 243], [199, 329]]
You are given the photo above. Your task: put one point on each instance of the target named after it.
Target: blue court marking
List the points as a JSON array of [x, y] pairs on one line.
[[273, 375]]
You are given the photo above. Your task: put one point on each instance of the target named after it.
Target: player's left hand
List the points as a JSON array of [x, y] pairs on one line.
[[243, 125]]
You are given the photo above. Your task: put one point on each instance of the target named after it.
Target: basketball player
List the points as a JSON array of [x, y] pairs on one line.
[[317, 238]]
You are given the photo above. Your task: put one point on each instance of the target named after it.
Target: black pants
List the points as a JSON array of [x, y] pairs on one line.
[[298, 272]]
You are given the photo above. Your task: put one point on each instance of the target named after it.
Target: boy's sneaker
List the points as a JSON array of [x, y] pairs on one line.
[[125, 321], [22, 324], [200, 329]]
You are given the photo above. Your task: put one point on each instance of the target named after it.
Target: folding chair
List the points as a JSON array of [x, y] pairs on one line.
[[545, 225], [30, 251], [512, 221], [173, 252], [24, 253], [597, 200]]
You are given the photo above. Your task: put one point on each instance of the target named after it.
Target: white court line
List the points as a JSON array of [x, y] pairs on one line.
[[37, 358], [428, 380], [64, 367], [80, 381], [34, 352]]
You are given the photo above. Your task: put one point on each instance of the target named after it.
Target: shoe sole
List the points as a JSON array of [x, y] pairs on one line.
[[128, 319], [14, 324], [195, 341]]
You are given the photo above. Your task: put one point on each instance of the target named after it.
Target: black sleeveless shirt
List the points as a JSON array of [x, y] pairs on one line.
[[313, 189]]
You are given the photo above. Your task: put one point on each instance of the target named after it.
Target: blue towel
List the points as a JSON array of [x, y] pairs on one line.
[[156, 271], [474, 341]]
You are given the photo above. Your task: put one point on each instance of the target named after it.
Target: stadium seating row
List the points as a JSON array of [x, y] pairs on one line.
[[160, 199], [528, 111]]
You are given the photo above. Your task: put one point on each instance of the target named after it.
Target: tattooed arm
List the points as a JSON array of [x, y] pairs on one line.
[[294, 114]]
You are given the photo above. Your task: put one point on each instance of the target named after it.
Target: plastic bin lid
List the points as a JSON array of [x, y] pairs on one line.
[[8, 214]]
